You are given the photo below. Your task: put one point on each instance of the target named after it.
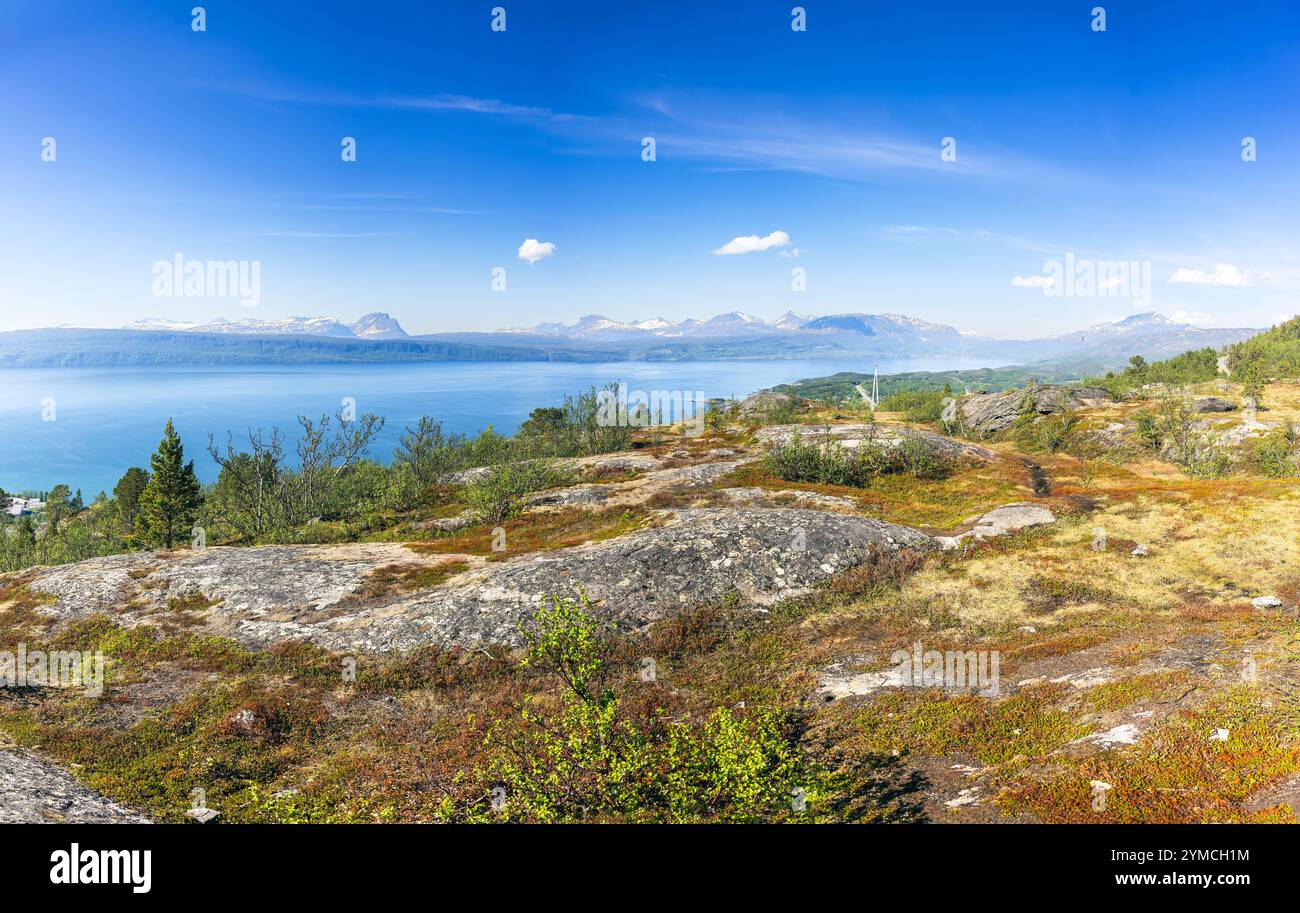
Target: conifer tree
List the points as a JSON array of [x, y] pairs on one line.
[[170, 502]]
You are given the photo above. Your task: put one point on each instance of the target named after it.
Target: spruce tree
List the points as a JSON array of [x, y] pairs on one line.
[[170, 502]]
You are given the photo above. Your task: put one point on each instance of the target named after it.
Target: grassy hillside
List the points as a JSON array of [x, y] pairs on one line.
[[843, 386]]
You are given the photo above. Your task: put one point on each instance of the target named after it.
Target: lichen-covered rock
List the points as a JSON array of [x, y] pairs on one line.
[[765, 402], [266, 595], [33, 791], [984, 414], [704, 554], [998, 522], [855, 435]]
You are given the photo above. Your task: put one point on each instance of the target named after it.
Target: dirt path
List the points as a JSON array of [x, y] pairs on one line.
[[1038, 477]]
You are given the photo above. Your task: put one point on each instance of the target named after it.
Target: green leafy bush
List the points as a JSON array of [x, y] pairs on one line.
[[831, 463], [597, 757], [921, 406], [1277, 454], [499, 494]]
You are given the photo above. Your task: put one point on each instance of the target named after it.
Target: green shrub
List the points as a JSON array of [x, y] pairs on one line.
[[1050, 433], [499, 494], [596, 757], [1275, 455], [1150, 430], [921, 406], [831, 463]]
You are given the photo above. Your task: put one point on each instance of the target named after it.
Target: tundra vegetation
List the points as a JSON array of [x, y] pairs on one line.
[[1157, 658]]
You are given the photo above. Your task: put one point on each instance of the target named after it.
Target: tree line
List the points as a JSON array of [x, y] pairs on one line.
[[270, 489]]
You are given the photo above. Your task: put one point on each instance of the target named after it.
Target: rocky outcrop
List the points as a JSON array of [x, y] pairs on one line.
[[999, 522], [765, 402], [1212, 404], [855, 435], [702, 555], [602, 462], [985, 414], [33, 791], [265, 595]]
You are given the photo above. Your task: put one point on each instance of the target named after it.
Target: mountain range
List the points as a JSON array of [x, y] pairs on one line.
[[377, 325], [378, 337]]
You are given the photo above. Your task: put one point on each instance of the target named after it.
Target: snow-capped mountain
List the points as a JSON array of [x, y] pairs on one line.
[[1133, 325], [791, 321], [378, 337], [734, 323], [738, 323], [895, 335], [377, 325]]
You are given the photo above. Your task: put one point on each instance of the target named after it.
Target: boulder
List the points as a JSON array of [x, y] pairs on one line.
[[764, 402], [1212, 404], [984, 414]]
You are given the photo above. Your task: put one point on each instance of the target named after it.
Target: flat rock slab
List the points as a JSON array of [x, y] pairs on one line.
[[287, 584], [1001, 520], [701, 555], [278, 593], [856, 435], [33, 791]]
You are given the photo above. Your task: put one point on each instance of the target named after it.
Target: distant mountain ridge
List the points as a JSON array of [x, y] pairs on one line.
[[734, 323], [378, 337], [376, 325]]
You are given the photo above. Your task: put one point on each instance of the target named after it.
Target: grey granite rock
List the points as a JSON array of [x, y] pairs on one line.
[[856, 435], [280, 593], [34, 791], [1212, 404], [983, 414]]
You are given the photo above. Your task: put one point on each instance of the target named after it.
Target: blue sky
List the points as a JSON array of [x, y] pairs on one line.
[[225, 144]]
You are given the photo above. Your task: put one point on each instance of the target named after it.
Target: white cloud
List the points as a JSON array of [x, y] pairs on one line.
[[1195, 317], [748, 244], [1225, 274], [1112, 282], [791, 254], [1032, 281], [533, 250]]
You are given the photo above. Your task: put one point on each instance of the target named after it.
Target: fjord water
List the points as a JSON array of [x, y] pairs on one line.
[[108, 419]]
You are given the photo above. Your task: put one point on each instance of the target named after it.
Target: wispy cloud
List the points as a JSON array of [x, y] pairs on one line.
[[439, 102], [750, 136], [1223, 275], [1032, 281], [1196, 317], [321, 234]]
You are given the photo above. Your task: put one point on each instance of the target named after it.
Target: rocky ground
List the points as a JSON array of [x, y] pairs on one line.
[[34, 791], [1118, 598]]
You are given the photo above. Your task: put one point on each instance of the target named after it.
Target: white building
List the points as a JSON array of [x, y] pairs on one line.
[[19, 507]]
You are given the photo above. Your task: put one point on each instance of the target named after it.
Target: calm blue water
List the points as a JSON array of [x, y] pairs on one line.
[[108, 419]]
